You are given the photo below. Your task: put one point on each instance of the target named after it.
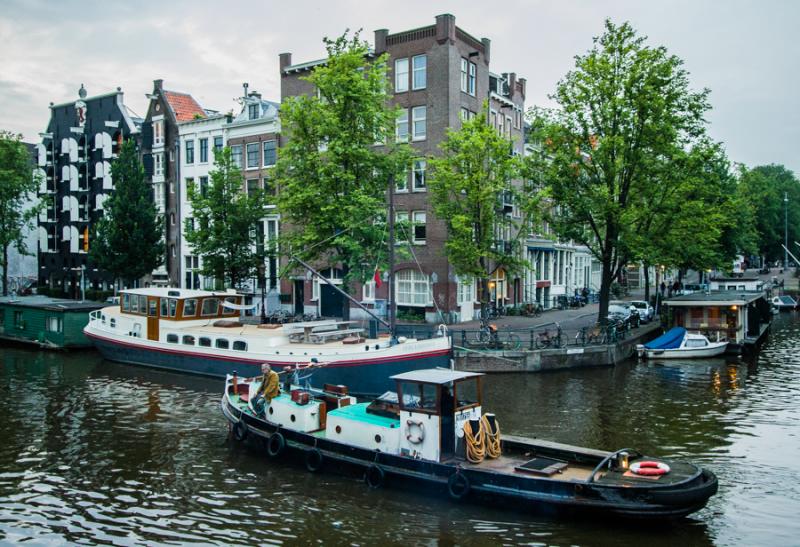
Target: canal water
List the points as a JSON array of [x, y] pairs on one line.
[[93, 452]]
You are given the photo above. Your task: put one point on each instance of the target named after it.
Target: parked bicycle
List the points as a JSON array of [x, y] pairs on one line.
[[590, 335], [547, 339], [533, 309], [489, 337]]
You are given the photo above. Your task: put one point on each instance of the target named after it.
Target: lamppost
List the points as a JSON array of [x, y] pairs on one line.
[[785, 231], [262, 281]]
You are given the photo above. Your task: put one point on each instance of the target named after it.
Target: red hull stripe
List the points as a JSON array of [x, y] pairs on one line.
[[352, 363]]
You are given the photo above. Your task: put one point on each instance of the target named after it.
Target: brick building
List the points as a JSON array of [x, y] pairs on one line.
[[439, 75]]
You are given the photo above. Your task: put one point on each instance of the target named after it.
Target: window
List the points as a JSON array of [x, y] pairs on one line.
[[464, 73], [238, 345], [173, 305], [500, 124], [401, 126], [222, 343], [218, 142], [473, 69], [270, 153], [413, 288], [187, 185], [418, 179], [236, 155], [401, 183], [54, 324], [252, 155], [204, 342], [158, 132], [508, 126], [190, 305], [418, 226], [203, 150], [252, 111], [188, 339], [152, 308], [142, 304], [252, 186], [466, 291], [172, 219], [420, 67], [210, 307], [401, 223], [418, 397], [400, 75], [418, 116], [369, 290], [158, 164], [204, 187], [190, 151], [172, 338]]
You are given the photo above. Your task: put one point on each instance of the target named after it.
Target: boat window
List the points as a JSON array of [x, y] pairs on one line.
[[172, 338], [142, 304], [152, 307], [418, 397], [126, 302], [205, 342], [210, 307], [228, 311], [173, 305], [103, 319], [113, 323], [238, 345], [188, 339], [696, 343], [467, 393], [134, 304], [190, 307], [222, 343], [164, 307]]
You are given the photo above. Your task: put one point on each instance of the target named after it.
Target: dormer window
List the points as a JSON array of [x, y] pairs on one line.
[[252, 112]]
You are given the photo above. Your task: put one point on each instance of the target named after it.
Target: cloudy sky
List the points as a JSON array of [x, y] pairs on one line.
[[746, 52]]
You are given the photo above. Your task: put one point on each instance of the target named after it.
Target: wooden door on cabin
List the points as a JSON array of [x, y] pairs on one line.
[[152, 318]]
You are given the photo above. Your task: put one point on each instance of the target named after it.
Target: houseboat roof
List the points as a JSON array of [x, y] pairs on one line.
[[738, 279], [435, 376], [48, 303], [177, 293], [715, 298]]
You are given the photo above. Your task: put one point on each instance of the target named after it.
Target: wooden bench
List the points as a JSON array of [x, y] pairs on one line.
[[322, 336]]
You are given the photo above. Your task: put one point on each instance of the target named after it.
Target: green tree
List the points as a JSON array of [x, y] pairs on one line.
[[333, 179], [226, 233], [17, 187], [470, 188], [127, 241], [624, 111]]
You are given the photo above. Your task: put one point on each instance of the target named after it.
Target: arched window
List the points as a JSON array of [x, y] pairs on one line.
[[413, 288]]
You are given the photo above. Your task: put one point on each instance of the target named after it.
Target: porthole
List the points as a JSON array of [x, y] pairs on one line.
[[378, 439], [271, 410], [292, 418], [338, 429]]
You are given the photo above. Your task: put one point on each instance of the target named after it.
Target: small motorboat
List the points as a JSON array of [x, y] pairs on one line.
[[677, 343], [784, 303], [432, 432]]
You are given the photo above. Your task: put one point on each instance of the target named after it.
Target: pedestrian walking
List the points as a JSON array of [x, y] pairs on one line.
[[663, 289]]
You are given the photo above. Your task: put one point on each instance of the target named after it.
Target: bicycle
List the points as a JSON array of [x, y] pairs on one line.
[[532, 310], [546, 340], [489, 337]]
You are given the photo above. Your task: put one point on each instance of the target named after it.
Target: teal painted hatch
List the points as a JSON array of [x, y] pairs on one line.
[[358, 412]]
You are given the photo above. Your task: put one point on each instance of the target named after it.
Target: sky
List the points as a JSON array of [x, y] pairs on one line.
[[745, 52]]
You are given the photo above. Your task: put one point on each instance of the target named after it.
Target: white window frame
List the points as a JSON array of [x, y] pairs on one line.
[[264, 154], [401, 184], [200, 149], [416, 71], [158, 164], [186, 149], [247, 156], [413, 288], [418, 218], [472, 79], [401, 67], [466, 291], [400, 122], [369, 291], [241, 161], [419, 166], [464, 74], [419, 123], [158, 131]]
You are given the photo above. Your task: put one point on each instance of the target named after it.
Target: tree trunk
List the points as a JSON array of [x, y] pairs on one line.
[[646, 282], [605, 289], [5, 270]]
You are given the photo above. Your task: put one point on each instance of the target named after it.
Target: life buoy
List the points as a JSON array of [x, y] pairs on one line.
[[649, 468], [240, 431], [410, 436], [374, 476], [314, 460], [458, 486], [275, 445]]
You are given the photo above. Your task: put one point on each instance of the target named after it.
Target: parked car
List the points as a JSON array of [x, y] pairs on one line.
[[625, 314], [646, 311], [690, 288]]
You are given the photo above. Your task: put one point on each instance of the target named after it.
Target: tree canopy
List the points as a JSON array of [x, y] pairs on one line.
[[225, 230], [128, 240], [17, 187]]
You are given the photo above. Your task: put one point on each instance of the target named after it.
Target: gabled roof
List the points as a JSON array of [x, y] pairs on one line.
[[184, 106]]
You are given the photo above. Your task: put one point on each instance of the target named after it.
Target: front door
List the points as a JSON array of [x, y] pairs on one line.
[[331, 301], [299, 296], [152, 318], [448, 434]]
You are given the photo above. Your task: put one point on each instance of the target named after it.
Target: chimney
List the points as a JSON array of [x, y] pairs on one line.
[[445, 28], [522, 82], [285, 60], [380, 40], [487, 48], [158, 85], [512, 83], [245, 86]]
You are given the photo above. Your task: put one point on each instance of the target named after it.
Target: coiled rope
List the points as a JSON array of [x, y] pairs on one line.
[[483, 442], [493, 449]]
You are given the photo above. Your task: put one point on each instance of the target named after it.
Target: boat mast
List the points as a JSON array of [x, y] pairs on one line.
[[392, 306]]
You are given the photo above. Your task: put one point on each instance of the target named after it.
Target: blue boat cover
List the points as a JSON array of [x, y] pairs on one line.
[[669, 340]]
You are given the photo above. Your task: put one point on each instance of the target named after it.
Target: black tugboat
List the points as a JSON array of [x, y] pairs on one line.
[[432, 430]]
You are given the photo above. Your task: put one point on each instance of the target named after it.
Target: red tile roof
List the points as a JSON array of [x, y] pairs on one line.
[[184, 106]]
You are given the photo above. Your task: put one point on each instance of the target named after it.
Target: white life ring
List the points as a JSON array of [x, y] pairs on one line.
[[650, 469], [410, 436]]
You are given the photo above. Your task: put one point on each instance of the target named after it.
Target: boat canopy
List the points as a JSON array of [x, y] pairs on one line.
[[233, 306], [669, 340]]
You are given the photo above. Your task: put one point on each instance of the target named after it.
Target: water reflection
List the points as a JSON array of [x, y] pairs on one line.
[[96, 452]]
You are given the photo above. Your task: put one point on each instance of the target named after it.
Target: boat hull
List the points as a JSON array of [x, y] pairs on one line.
[[686, 353], [536, 495], [367, 376]]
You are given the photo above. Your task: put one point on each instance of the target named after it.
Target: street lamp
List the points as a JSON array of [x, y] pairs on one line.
[[785, 231], [262, 270]]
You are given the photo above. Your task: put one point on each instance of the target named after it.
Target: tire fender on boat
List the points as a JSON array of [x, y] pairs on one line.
[[314, 460], [649, 468], [275, 445], [458, 485], [374, 476], [418, 437], [240, 431]]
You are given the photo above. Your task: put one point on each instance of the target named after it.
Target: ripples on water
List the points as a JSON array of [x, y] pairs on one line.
[[93, 452]]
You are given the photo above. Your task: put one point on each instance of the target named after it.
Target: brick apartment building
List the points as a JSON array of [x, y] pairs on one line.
[[440, 75]]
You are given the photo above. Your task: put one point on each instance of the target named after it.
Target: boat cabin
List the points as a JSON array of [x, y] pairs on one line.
[[748, 284]]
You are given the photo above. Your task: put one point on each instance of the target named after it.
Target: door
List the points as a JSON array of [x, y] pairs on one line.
[[330, 301], [299, 296], [448, 433], [152, 318]]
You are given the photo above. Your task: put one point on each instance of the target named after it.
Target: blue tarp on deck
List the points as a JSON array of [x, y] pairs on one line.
[[669, 340]]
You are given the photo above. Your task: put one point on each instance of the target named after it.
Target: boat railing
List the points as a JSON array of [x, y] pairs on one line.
[[611, 457]]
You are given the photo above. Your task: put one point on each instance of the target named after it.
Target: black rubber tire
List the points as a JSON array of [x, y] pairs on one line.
[[458, 486], [314, 460], [374, 476], [240, 431], [275, 445]]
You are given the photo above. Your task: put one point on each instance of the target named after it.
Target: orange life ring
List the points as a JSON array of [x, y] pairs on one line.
[[649, 468]]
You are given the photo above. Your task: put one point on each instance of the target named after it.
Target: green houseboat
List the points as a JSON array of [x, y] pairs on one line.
[[45, 321]]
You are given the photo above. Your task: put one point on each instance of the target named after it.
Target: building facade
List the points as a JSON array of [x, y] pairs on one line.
[[74, 162]]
